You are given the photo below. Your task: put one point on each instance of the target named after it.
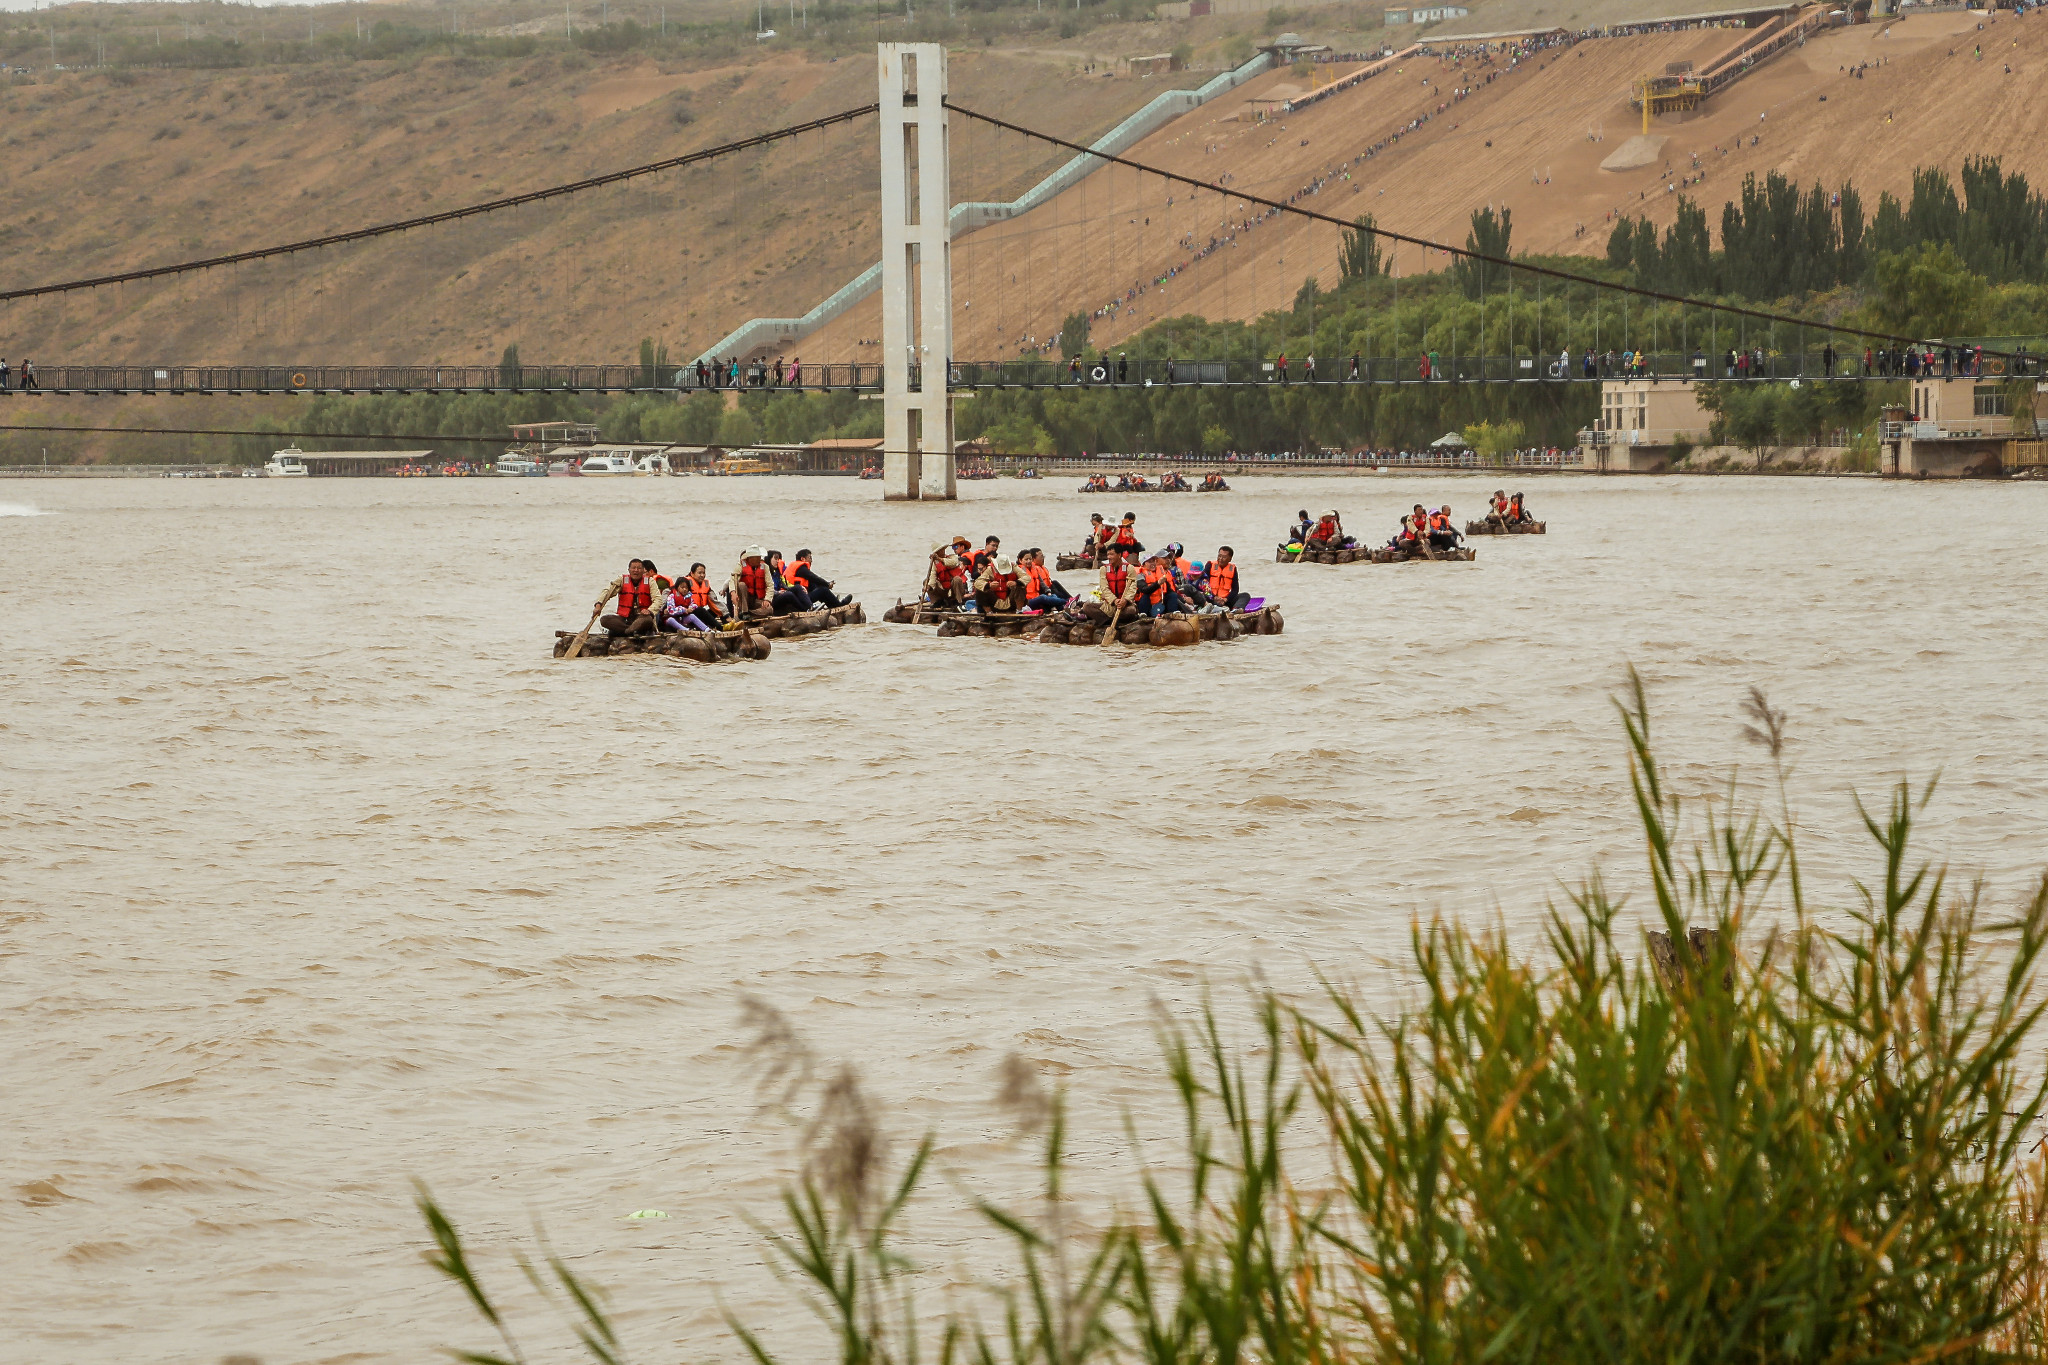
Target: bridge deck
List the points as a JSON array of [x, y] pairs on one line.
[[867, 377]]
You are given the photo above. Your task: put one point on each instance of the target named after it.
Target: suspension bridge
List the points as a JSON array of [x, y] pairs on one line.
[[918, 225], [869, 379]]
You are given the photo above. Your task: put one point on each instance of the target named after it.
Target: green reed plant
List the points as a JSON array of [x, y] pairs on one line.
[[1763, 1133]]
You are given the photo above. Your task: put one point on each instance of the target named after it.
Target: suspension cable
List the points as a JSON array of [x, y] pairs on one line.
[[450, 215], [1467, 252]]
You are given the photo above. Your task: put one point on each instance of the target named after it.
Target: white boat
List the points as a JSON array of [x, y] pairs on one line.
[[288, 463], [608, 463], [517, 465], [626, 462]]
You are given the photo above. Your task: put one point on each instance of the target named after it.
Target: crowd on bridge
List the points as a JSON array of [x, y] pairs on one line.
[[28, 377]]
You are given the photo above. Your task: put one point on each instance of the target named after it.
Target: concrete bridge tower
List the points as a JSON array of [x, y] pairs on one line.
[[917, 274]]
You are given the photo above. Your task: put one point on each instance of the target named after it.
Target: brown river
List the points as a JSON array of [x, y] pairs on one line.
[[319, 876]]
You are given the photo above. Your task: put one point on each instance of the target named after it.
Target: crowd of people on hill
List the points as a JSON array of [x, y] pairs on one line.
[[763, 584]]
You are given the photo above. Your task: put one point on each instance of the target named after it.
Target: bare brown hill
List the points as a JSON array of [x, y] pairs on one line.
[[117, 170], [1532, 140]]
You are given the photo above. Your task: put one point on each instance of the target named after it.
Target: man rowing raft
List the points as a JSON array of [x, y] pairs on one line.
[[635, 590], [946, 581]]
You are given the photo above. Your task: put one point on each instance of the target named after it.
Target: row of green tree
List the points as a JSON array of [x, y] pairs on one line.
[[1777, 240]]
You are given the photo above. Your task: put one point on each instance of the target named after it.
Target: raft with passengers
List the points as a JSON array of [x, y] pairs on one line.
[[1162, 598], [1424, 535], [765, 599], [1172, 481], [1506, 516]]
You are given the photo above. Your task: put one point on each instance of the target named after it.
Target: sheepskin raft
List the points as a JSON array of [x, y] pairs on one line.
[[1175, 629], [1065, 562], [712, 646], [1366, 555], [1490, 527]]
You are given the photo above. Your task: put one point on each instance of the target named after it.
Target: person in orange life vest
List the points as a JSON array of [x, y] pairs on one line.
[[998, 587], [1041, 593], [1220, 584], [1442, 534], [691, 605], [1116, 590], [1518, 512], [986, 555], [945, 581], [786, 581], [635, 591], [753, 588], [1407, 537], [1328, 533], [819, 588], [1099, 534], [1156, 593], [1498, 509], [1126, 536]]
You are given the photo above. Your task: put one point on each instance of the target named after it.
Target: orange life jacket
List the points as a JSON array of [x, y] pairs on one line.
[[1002, 584], [1325, 529], [1115, 579], [634, 598], [754, 578], [1040, 579], [697, 594], [1439, 522], [1126, 536], [1223, 581]]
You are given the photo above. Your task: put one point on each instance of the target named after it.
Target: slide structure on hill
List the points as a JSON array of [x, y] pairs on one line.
[[761, 333]]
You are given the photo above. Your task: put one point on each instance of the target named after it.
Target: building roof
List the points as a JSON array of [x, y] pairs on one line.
[[847, 443]]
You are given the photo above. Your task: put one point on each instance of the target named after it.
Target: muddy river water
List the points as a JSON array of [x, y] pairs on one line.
[[319, 876]]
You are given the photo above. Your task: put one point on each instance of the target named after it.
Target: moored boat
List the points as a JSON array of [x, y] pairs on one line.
[[1490, 527], [288, 463]]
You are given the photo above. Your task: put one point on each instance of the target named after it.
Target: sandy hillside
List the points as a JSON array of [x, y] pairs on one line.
[[117, 170], [1526, 141]]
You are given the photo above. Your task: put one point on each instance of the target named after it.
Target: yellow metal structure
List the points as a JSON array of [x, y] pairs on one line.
[[1669, 94]]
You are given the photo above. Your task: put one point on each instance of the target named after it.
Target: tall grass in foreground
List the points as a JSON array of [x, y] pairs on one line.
[[1770, 1141]]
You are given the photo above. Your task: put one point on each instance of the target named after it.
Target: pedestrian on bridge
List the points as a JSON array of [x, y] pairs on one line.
[[3, 376], [28, 376]]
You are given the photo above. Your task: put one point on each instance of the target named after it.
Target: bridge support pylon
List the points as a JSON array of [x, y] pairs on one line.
[[917, 274]]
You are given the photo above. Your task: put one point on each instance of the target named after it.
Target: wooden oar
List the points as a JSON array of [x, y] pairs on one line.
[[576, 645], [1110, 634]]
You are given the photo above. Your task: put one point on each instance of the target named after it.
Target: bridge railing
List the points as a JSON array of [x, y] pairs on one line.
[[1122, 371]]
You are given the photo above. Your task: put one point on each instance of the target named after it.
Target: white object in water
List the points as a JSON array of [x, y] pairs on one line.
[[288, 463]]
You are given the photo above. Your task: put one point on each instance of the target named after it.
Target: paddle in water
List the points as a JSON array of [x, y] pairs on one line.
[[576, 645]]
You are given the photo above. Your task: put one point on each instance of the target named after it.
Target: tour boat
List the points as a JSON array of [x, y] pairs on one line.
[[517, 465], [286, 464], [623, 463]]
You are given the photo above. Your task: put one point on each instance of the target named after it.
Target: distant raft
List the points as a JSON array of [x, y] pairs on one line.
[[1080, 561], [1386, 554], [751, 641], [1490, 527], [1178, 628]]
